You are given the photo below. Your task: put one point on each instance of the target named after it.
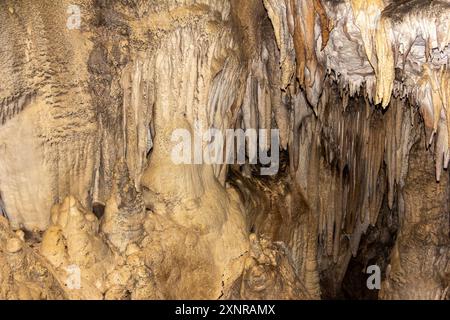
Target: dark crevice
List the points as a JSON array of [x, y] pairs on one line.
[[98, 209], [2, 207], [375, 249]]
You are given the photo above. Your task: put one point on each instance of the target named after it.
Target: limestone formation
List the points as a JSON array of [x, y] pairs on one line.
[[348, 99]]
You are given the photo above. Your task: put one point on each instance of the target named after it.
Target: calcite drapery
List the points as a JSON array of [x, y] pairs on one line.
[[86, 117]]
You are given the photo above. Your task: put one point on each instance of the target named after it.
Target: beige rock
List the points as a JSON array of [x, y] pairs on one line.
[[101, 211], [14, 245]]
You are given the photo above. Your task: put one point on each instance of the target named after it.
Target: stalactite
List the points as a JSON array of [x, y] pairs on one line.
[[385, 66], [366, 15], [295, 25], [281, 15], [277, 97], [407, 47], [341, 80], [357, 143]]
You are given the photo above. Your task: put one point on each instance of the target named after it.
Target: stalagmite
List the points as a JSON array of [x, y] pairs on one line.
[[124, 215], [73, 240]]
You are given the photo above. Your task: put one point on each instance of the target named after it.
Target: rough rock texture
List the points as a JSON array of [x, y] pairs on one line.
[[358, 90], [24, 274], [420, 261]]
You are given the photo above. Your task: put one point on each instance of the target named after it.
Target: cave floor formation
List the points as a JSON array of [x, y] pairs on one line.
[[224, 149]]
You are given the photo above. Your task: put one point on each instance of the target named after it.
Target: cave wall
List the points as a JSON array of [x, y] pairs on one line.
[[358, 91]]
